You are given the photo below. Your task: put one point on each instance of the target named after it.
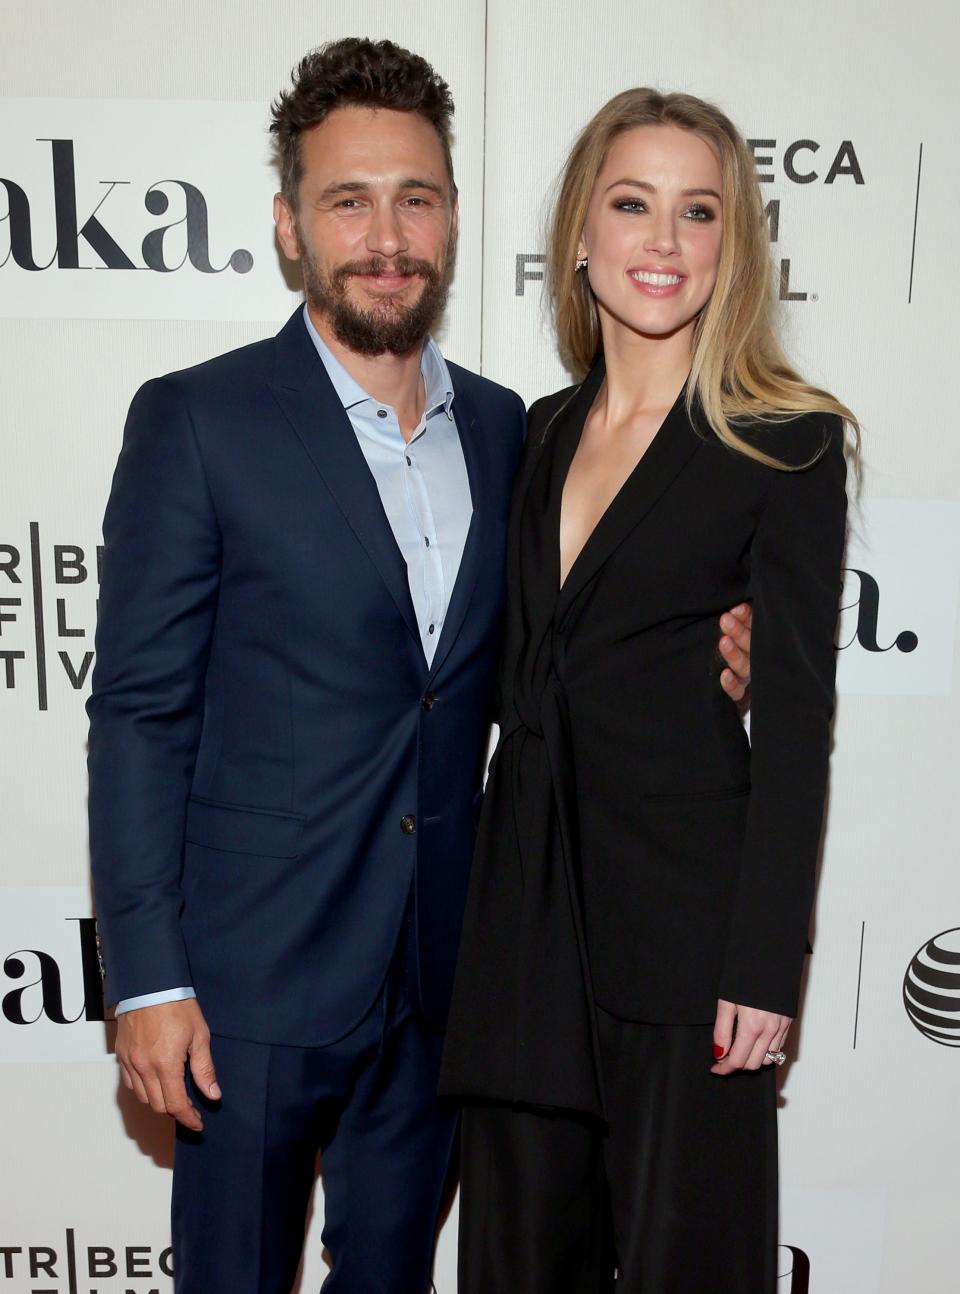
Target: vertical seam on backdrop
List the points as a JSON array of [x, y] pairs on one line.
[[483, 177], [71, 1260], [916, 212], [856, 1017], [37, 575]]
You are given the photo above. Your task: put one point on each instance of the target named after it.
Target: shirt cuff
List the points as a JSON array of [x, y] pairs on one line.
[[154, 999]]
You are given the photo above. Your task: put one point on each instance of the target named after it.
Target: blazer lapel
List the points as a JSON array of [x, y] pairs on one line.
[[536, 541], [306, 395], [467, 421], [668, 454]]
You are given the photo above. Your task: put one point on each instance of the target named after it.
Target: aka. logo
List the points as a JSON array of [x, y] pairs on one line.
[[51, 995], [866, 608], [931, 988], [795, 1278], [137, 209], [71, 227], [898, 610], [39, 980]]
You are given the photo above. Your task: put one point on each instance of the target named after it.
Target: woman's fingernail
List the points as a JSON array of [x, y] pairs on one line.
[[718, 1051]]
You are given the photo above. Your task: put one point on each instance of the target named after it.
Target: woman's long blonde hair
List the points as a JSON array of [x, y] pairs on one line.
[[739, 372]]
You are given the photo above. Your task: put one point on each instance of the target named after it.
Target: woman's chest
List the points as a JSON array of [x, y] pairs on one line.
[[670, 542], [602, 465]]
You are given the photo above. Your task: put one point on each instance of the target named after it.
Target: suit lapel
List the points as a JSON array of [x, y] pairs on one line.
[[668, 454], [468, 428], [306, 395], [536, 540]]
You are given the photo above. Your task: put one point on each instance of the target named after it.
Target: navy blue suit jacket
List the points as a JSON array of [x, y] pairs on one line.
[[263, 718]]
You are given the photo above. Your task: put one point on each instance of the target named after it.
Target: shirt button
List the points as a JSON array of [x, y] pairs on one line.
[[408, 824], [429, 701], [426, 541], [381, 413], [431, 628], [409, 461]]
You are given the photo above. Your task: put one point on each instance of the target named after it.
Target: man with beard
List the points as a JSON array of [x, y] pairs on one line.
[[299, 618]]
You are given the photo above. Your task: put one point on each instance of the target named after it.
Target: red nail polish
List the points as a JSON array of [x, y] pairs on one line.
[[718, 1051]]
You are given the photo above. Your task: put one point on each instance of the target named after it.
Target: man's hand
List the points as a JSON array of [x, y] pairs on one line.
[[153, 1044], [735, 650]]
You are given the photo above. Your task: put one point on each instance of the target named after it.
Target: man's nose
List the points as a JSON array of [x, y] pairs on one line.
[[385, 233]]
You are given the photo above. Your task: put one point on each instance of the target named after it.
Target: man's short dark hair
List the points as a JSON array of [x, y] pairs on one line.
[[356, 72]]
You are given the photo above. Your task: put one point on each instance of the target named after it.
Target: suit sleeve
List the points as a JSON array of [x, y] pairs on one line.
[[160, 575], [795, 579]]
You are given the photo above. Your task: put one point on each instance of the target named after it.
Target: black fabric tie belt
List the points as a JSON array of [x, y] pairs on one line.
[[557, 1058]]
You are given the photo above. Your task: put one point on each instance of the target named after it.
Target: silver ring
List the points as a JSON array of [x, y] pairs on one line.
[[776, 1057]]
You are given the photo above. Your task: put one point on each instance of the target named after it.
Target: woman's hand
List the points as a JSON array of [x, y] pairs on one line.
[[757, 1032]]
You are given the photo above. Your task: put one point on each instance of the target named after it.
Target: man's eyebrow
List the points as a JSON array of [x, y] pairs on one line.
[[650, 188], [364, 186], [345, 186], [430, 185]]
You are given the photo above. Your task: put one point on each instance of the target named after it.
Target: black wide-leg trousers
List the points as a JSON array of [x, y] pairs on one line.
[[677, 1194]]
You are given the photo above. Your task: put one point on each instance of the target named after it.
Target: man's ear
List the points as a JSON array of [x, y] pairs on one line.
[[455, 215], [286, 222]]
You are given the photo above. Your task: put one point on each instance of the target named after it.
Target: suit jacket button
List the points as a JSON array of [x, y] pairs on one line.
[[408, 824], [429, 701]]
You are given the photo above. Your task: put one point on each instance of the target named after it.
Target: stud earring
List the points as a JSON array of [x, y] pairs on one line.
[[581, 263]]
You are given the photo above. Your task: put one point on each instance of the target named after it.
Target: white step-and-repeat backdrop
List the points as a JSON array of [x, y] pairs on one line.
[[136, 237]]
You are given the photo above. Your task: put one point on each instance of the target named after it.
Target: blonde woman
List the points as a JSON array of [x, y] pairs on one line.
[[640, 896]]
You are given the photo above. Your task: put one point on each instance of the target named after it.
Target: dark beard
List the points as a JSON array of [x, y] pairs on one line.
[[391, 327]]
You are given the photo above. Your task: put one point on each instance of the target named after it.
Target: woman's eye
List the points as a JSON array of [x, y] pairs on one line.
[[699, 213], [629, 204]]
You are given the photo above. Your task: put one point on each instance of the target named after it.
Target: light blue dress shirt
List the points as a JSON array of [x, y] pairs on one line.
[[422, 482], [425, 493]]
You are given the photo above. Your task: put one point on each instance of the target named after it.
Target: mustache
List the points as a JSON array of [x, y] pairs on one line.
[[407, 265]]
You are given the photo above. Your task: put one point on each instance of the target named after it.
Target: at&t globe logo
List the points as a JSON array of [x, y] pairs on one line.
[[931, 989]]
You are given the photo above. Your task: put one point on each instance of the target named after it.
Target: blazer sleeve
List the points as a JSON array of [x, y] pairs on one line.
[[796, 577], [158, 592]]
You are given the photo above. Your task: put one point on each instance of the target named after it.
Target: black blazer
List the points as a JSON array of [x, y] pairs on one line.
[[635, 851]]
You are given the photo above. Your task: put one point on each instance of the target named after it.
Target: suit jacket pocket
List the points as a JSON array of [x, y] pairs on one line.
[[237, 829], [695, 798]]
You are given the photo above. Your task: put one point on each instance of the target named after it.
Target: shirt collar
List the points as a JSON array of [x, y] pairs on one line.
[[437, 382]]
